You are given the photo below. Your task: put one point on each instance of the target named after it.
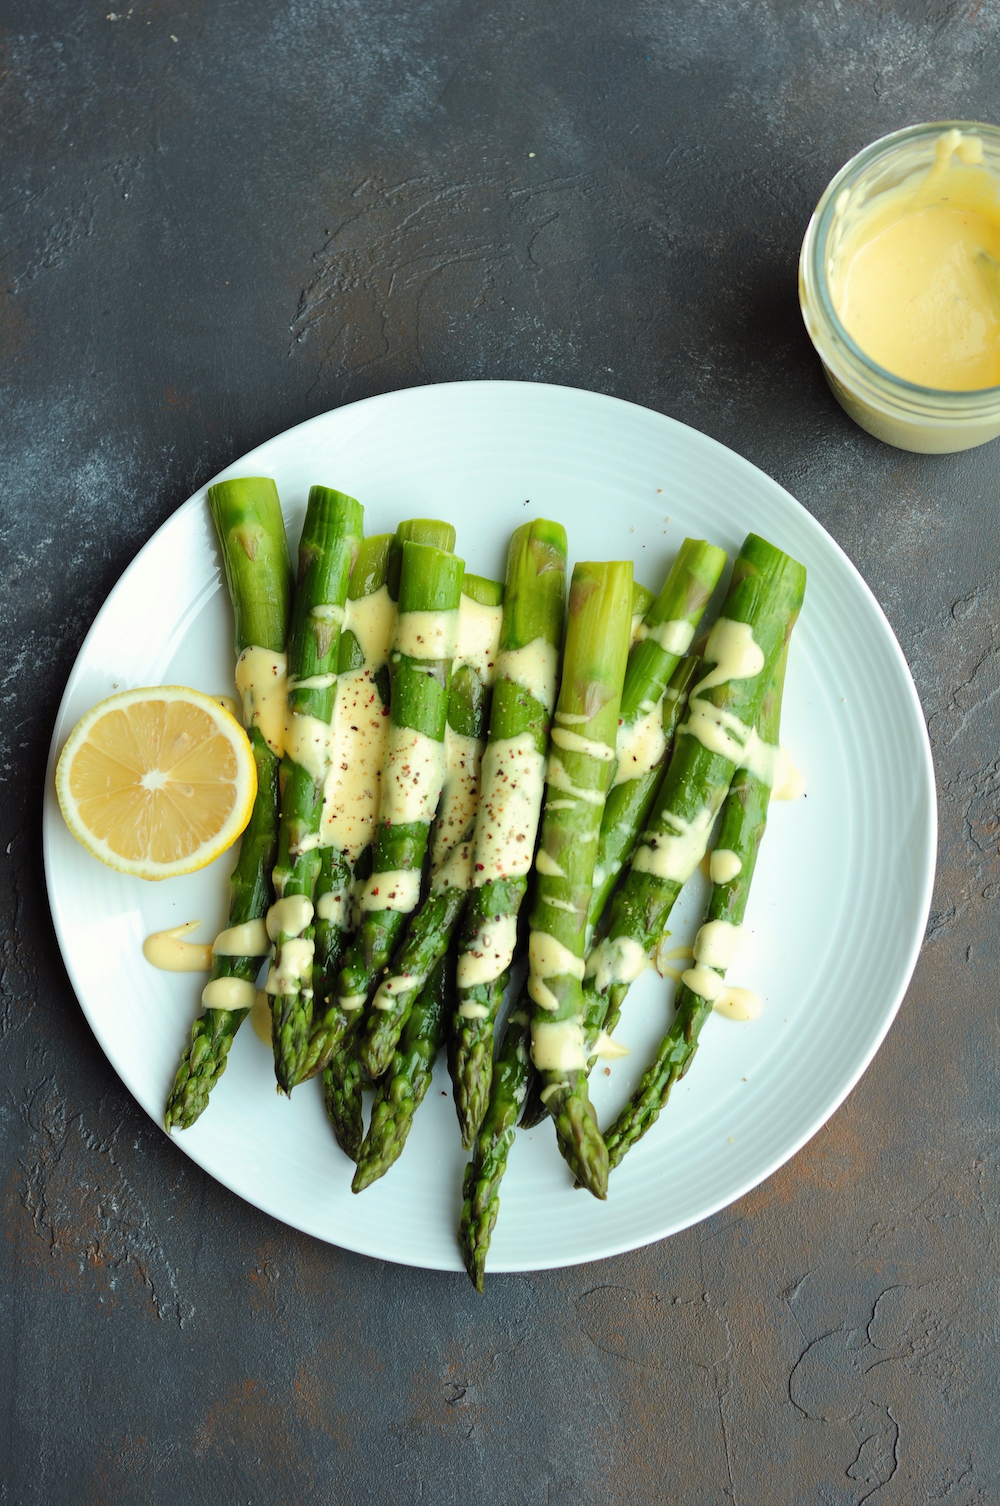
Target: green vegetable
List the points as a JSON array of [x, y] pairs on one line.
[[744, 817], [432, 927], [336, 872], [579, 773], [651, 695], [421, 659], [512, 788], [674, 706], [761, 606], [247, 517], [382, 567], [331, 538], [402, 1089], [484, 1173]]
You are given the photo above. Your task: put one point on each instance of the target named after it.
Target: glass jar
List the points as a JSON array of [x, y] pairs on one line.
[[927, 419]]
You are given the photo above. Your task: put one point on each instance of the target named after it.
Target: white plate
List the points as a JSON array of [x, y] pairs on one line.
[[840, 898]]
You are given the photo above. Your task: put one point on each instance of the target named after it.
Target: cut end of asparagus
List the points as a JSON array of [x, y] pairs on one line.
[[535, 595], [430, 531], [486, 593], [247, 516], [369, 573]]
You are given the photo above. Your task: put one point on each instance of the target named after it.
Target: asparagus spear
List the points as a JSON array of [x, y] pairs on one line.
[[578, 775], [350, 796], [331, 538], [353, 793], [761, 606], [665, 633], [744, 817], [512, 788], [423, 648], [481, 1184], [673, 707], [402, 1089], [350, 807], [432, 927], [247, 517]]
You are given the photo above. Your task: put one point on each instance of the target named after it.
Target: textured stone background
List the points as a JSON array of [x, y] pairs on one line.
[[219, 218]]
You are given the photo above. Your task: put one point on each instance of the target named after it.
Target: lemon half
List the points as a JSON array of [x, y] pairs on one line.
[[157, 782]]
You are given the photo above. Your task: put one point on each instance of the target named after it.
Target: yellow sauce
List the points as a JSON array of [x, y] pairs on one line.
[[916, 281], [922, 298], [169, 951], [261, 1018], [261, 679], [737, 1004]]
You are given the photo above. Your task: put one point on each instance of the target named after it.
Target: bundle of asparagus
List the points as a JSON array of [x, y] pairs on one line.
[[768, 587], [352, 798], [411, 1001], [516, 1086], [381, 732], [744, 646], [431, 929], [423, 648], [744, 817]]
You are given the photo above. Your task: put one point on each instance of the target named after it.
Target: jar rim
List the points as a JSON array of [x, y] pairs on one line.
[[813, 259]]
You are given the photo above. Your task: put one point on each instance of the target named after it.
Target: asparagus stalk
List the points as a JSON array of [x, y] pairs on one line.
[[331, 538], [353, 795], [744, 817], [402, 1089], [247, 517], [484, 1173], [465, 735], [761, 606], [673, 706], [423, 648], [430, 531], [512, 789], [350, 807], [350, 796], [579, 772], [649, 699]]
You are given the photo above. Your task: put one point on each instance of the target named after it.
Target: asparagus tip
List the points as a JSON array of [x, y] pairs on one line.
[[581, 1141], [368, 1171]]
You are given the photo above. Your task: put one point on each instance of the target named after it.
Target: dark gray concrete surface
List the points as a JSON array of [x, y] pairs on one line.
[[219, 217]]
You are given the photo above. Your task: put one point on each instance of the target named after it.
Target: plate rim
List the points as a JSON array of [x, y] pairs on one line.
[[927, 798]]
